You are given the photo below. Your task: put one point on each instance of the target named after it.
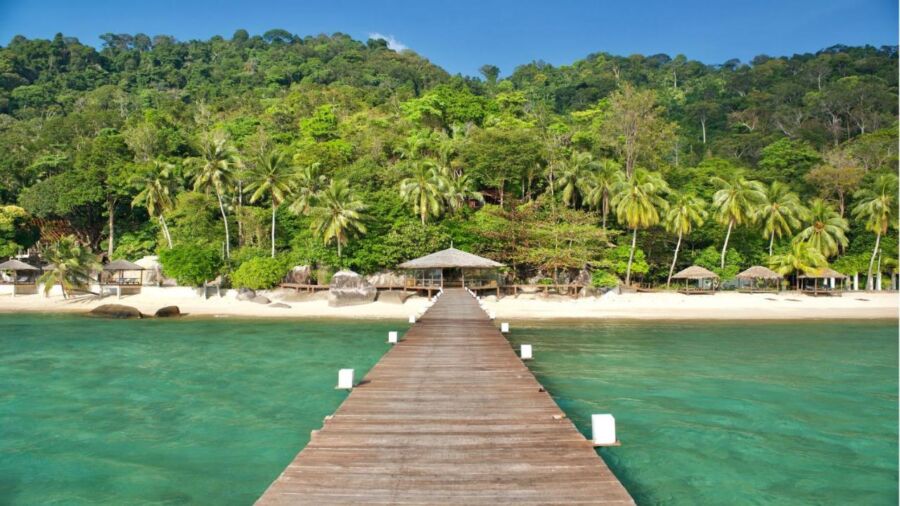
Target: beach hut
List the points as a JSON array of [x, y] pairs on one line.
[[123, 275], [822, 281], [706, 280], [23, 277], [760, 279], [451, 268]]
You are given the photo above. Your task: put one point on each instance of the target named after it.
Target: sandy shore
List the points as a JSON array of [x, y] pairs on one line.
[[644, 306]]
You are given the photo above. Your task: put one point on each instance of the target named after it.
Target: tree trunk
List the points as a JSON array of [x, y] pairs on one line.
[[240, 212], [605, 210], [869, 285], [771, 243], [273, 229], [165, 228], [339, 249], [111, 208], [841, 202], [703, 126], [225, 220], [631, 258], [502, 185], [674, 259], [725, 246]]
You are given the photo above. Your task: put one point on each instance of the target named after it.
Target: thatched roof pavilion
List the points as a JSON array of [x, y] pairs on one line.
[[16, 266], [760, 279], [116, 270], [823, 273], [449, 267], [122, 265], [759, 272], [695, 272]]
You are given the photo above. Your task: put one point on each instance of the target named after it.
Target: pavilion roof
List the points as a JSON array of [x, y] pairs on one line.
[[759, 272], [122, 265], [824, 272], [17, 265], [695, 272], [451, 258]]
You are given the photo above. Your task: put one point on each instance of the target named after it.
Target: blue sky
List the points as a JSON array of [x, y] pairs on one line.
[[461, 35]]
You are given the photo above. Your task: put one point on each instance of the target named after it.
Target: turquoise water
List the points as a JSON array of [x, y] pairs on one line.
[[791, 413], [165, 412]]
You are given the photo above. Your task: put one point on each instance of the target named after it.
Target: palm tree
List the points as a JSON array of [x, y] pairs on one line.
[[826, 231], [424, 191], [599, 186], [156, 194], [686, 211], [338, 214], [307, 183], [271, 174], [801, 257], [637, 203], [71, 265], [459, 188], [876, 207], [736, 203], [214, 169], [573, 176], [781, 212]]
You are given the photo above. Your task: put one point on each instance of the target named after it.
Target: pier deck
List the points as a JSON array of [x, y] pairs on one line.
[[448, 416]]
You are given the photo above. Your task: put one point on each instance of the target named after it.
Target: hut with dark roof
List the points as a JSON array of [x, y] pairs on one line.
[[822, 281], [706, 280], [122, 275], [451, 268], [23, 277], [758, 279]]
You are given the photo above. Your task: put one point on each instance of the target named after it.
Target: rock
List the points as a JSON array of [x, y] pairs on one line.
[[583, 278], [280, 305], [167, 312], [301, 296], [349, 288], [394, 296], [259, 299], [299, 274], [387, 278], [587, 291], [245, 294], [116, 311]]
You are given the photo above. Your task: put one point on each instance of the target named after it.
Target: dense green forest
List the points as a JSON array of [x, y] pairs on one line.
[[247, 155]]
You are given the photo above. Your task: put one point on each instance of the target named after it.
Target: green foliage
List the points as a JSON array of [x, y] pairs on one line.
[[616, 260], [72, 263], [195, 219], [16, 230], [603, 279], [137, 243], [260, 272], [191, 264], [709, 259], [406, 239]]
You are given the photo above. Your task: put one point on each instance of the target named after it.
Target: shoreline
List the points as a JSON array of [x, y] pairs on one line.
[[659, 306]]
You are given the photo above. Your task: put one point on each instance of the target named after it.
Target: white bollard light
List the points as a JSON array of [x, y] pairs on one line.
[[412, 318], [525, 352], [492, 315], [345, 379], [504, 327], [603, 430], [392, 337]]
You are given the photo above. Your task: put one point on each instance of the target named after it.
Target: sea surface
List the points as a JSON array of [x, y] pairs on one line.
[[787, 413], [210, 411]]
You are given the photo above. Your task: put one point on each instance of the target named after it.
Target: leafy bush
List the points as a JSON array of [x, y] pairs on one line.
[[16, 230], [711, 257], [616, 260], [603, 279], [259, 273], [191, 264], [545, 281]]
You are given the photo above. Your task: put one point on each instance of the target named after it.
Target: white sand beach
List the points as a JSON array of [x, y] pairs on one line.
[[644, 306]]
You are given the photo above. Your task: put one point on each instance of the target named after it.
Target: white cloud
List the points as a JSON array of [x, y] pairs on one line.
[[392, 43]]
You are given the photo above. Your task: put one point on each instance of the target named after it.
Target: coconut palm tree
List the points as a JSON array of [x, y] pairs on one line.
[[214, 169], [459, 188], [876, 208], [826, 231], [573, 177], [156, 193], [802, 257], [685, 212], [781, 212], [638, 202], [271, 174], [71, 266], [307, 183], [599, 186], [736, 203], [338, 214], [424, 191]]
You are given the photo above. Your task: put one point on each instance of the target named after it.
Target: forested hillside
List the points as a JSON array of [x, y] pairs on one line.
[[350, 154]]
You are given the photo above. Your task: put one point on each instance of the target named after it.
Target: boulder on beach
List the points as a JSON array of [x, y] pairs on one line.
[[116, 311], [245, 294], [387, 278], [280, 305], [349, 289], [394, 296], [259, 299], [299, 274], [167, 312]]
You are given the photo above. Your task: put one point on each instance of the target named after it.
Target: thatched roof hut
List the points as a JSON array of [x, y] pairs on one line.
[[17, 265], [695, 272], [451, 258], [759, 272], [823, 273], [122, 265]]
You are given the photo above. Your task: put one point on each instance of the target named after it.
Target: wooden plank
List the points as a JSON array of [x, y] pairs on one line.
[[450, 415]]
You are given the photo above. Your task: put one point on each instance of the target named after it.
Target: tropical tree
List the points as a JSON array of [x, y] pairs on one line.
[[338, 214], [306, 184], [272, 175], [573, 177], [802, 257], [214, 169], [736, 203], [826, 231], [876, 207], [70, 267], [459, 188], [638, 202], [685, 212], [780, 213], [156, 193], [599, 186], [424, 191]]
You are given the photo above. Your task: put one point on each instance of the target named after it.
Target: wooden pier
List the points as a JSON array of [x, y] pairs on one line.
[[450, 415]]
